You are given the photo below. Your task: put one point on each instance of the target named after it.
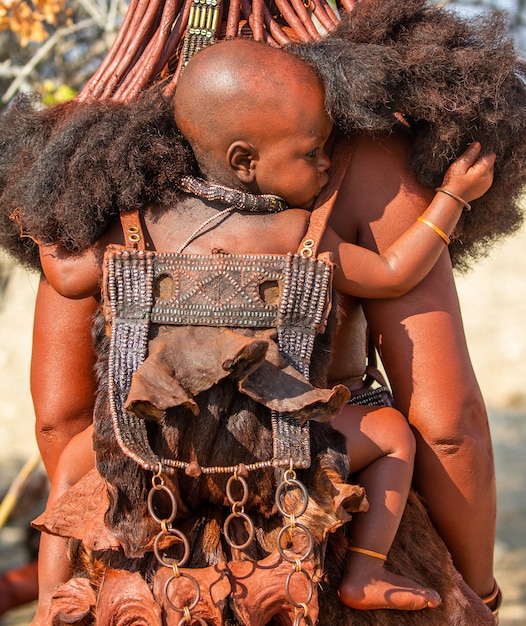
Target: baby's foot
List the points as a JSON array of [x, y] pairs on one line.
[[381, 589]]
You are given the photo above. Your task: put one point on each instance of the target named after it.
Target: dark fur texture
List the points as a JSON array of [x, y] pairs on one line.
[[233, 428], [229, 429]]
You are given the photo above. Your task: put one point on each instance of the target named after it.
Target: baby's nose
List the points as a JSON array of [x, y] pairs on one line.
[[324, 162]]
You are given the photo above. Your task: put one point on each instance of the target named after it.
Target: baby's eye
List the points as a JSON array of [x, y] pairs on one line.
[[312, 153]]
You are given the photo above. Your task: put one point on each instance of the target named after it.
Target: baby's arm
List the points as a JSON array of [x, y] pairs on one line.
[[72, 274], [363, 273]]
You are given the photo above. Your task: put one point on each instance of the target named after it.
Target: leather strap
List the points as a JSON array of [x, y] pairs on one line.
[[341, 156], [132, 229]]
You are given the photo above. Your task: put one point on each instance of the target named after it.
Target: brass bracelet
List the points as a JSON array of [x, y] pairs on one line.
[[465, 205], [375, 555], [437, 230]]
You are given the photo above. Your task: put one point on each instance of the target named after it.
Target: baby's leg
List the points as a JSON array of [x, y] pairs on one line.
[[381, 449], [54, 567]]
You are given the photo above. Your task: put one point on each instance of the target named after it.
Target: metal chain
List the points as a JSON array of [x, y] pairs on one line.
[[158, 487], [289, 483], [238, 511]]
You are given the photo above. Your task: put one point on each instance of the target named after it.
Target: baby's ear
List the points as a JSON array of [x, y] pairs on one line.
[[242, 159]]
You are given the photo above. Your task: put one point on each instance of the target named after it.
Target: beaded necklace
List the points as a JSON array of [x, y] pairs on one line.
[[241, 200], [236, 200]]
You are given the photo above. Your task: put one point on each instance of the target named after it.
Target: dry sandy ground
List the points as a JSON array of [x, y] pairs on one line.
[[494, 304]]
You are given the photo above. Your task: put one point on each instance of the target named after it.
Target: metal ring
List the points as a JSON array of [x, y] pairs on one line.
[[299, 605], [238, 509], [306, 619], [306, 252], [171, 496], [172, 562], [289, 473], [197, 594], [296, 557], [158, 475], [157, 482], [299, 485], [251, 531], [229, 495], [134, 237]]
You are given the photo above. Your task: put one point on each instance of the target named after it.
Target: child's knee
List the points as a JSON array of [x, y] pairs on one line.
[[403, 441]]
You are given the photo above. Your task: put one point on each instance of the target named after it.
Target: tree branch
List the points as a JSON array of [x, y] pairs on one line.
[[41, 54]]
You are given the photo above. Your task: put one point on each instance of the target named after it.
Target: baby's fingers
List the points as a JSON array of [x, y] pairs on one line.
[[471, 175], [471, 163], [470, 155], [486, 162], [472, 160]]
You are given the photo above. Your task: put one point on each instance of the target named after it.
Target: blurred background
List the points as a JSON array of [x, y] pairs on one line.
[[53, 46]]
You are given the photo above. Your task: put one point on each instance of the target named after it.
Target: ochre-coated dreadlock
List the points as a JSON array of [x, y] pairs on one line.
[[149, 44]]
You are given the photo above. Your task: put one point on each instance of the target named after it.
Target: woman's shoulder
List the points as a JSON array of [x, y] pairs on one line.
[[380, 155], [378, 185]]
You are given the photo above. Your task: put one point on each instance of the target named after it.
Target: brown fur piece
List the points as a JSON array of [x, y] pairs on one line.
[[416, 537], [73, 604], [241, 431], [65, 518], [125, 600], [236, 428]]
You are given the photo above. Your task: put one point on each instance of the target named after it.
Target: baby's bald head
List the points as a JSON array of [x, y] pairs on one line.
[[240, 89]]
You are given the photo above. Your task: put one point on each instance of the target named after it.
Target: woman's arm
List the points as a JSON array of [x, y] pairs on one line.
[[423, 348], [62, 377]]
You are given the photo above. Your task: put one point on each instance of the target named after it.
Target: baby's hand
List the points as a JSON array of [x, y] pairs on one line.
[[470, 176]]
